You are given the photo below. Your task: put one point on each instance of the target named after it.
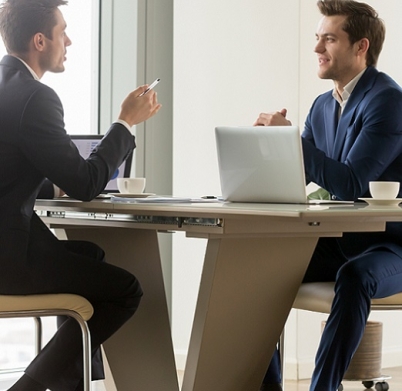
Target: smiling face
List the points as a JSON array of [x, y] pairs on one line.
[[55, 48], [338, 59]]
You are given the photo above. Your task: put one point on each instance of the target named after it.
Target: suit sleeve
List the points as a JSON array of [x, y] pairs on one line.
[[51, 152], [375, 152], [46, 191]]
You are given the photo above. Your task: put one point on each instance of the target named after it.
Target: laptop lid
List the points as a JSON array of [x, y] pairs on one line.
[[85, 145], [261, 164]]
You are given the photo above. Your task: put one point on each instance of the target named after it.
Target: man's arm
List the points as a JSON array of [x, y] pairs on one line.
[[55, 156], [49, 190], [371, 149]]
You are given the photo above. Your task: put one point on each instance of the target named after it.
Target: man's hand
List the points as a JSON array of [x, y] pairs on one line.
[[136, 109], [273, 119]]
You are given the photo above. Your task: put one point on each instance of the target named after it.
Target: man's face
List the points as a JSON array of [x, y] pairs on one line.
[[337, 59], [55, 51]]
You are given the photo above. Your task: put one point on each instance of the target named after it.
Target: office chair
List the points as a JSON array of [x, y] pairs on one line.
[[318, 297], [37, 306]]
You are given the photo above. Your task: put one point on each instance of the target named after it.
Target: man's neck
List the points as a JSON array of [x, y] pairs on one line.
[[347, 89], [33, 72], [340, 85], [31, 63]]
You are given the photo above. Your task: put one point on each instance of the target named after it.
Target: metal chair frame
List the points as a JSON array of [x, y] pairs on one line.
[[86, 338]]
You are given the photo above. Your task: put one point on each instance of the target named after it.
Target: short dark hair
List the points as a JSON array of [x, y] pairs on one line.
[[362, 21], [20, 20]]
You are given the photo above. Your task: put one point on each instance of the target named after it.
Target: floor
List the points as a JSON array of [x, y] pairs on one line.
[[395, 383]]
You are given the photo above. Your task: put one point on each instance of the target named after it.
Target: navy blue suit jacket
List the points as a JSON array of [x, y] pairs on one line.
[[364, 145]]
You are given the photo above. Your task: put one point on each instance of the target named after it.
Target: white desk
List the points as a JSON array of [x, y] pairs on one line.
[[254, 263]]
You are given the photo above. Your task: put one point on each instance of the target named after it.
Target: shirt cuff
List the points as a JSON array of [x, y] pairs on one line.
[[122, 122]]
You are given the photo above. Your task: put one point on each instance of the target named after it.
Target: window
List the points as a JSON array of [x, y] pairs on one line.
[[77, 87]]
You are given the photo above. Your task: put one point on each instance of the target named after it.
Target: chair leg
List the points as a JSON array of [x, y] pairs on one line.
[[86, 347], [86, 352], [38, 334]]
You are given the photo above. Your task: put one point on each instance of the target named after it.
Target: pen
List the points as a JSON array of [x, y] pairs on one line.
[[153, 84]]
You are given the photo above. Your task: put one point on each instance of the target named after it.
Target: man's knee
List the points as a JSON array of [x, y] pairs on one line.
[[85, 248], [353, 279], [134, 294]]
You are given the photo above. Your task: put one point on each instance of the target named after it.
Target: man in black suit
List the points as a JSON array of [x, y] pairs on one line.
[[33, 146]]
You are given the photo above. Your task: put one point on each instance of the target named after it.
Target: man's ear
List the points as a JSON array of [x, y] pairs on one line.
[[363, 46], [39, 41]]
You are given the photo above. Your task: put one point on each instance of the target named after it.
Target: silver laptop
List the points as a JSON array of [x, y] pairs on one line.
[[261, 164]]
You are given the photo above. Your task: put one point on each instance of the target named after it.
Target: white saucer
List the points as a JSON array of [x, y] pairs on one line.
[[382, 202], [132, 195]]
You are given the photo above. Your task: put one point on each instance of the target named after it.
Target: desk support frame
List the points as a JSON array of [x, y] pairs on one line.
[[140, 354], [231, 345]]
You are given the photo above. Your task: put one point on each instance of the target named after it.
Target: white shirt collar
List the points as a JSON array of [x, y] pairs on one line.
[[347, 91], [33, 73]]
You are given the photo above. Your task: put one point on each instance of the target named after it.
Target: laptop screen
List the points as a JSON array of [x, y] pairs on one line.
[[85, 145], [261, 164]]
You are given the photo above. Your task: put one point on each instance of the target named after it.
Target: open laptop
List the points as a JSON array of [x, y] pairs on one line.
[[85, 145], [261, 164]]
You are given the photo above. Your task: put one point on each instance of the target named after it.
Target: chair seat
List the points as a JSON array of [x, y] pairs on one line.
[[66, 301], [318, 297]]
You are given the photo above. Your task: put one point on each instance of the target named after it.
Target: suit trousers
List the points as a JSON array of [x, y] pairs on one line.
[[376, 273], [76, 267]]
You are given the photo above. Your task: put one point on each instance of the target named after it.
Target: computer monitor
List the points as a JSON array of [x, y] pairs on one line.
[[85, 145]]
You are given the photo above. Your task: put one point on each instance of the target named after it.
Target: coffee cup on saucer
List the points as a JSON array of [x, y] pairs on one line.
[[384, 190], [131, 185]]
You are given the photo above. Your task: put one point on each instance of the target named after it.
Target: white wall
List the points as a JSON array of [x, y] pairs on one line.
[[232, 60]]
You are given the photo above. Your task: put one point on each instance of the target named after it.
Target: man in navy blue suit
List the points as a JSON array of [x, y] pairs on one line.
[[352, 135]]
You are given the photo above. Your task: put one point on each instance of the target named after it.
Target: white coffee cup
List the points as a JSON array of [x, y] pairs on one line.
[[131, 185], [384, 190]]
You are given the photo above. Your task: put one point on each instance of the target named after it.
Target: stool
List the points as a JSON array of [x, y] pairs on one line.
[[318, 297], [37, 306]]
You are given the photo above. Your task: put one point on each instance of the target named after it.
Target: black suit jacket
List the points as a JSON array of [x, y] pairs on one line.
[[33, 146]]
